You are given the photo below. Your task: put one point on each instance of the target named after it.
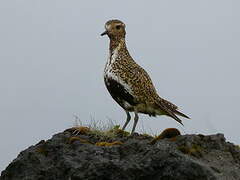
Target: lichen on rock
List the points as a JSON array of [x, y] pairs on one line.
[[92, 155]]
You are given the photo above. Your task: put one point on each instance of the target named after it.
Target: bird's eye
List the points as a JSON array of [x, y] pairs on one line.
[[118, 27]]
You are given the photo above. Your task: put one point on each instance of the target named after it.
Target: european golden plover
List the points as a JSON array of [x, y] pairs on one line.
[[128, 83]]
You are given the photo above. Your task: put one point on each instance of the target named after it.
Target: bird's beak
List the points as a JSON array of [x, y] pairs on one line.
[[104, 33]]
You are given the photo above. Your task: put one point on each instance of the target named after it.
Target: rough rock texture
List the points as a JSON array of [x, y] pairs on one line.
[[186, 157]]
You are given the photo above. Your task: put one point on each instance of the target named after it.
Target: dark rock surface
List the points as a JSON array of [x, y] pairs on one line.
[[186, 157]]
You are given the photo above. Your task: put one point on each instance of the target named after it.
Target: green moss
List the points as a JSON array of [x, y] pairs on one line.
[[194, 150], [108, 144], [42, 150], [74, 138], [116, 130], [147, 135]]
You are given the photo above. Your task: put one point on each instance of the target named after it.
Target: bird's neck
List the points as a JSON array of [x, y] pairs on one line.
[[119, 44]]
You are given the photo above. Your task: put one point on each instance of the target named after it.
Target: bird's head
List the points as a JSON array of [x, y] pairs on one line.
[[115, 29]]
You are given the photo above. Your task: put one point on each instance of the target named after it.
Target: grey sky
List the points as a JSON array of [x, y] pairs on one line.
[[52, 58]]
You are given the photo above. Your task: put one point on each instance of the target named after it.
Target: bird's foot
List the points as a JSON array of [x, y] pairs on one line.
[[134, 134]]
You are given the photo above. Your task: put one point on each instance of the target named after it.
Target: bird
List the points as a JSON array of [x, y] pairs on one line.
[[129, 84]]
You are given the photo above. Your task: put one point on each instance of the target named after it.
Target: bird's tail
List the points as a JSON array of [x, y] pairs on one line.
[[169, 109], [181, 114]]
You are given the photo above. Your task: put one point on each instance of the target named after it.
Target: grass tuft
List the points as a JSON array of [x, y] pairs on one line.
[[98, 128]]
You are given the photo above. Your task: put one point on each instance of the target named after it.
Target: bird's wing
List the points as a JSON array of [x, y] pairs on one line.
[[142, 85], [144, 88]]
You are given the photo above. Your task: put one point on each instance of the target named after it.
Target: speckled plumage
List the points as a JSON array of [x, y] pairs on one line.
[[128, 83]]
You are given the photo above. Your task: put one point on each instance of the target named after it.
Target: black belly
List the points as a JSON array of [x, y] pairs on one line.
[[119, 93]]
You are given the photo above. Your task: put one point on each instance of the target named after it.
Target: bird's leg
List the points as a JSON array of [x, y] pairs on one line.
[[127, 120], [135, 121]]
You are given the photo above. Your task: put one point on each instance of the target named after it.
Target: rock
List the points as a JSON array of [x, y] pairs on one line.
[[121, 157]]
